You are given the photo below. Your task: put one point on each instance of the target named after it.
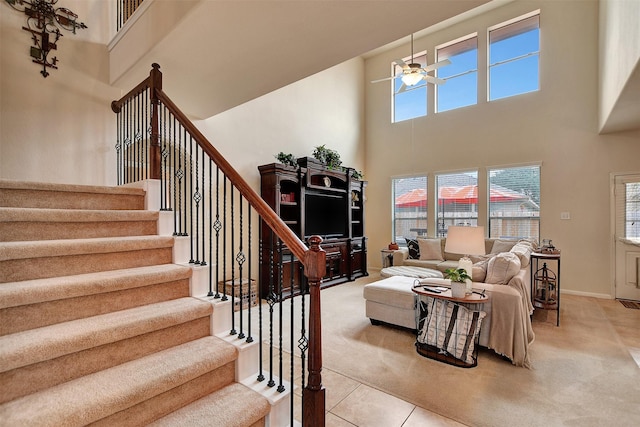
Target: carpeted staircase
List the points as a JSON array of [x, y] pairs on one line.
[[96, 322]]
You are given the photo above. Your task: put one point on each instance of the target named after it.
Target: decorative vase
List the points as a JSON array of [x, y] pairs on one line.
[[458, 289]]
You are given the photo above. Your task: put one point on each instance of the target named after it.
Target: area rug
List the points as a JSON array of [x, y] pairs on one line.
[[582, 374]]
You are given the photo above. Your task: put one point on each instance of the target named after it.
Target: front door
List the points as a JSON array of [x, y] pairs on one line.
[[627, 236]]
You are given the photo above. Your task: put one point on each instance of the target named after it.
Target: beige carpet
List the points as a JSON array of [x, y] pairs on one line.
[[582, 373]]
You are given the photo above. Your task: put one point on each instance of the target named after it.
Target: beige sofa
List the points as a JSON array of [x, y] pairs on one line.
[[507, 326]]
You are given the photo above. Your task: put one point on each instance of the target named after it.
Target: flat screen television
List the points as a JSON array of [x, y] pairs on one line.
[[325, 215]]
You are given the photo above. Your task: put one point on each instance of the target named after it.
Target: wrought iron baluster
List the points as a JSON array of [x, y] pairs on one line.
[[280, 315], [292, 335], [260, 297], [210, 293], [271, 300], [119, 148], [240, 259], [174, 178], [233, 264], [224, 236], [197, 197], [249, 252], [217, 226], [204, 225], [185, 212], [189, 204]]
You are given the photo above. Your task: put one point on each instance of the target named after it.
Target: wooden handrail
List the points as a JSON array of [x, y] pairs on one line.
[[313, 258], [293, 242]]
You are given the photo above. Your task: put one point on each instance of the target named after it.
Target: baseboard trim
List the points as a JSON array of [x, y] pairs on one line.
[[587, 294]]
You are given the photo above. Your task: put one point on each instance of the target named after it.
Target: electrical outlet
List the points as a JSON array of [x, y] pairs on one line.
[[565, 215]]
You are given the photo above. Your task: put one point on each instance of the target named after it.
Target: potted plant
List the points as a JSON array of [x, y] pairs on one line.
[[328, 157], [287, 159], [458, 277]]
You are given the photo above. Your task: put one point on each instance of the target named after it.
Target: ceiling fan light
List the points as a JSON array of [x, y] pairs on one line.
[[411, 79]]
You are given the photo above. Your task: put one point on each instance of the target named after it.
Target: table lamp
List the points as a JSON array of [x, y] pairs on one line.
[[465, 241]]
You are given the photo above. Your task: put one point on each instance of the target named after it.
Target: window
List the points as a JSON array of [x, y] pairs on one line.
[[457, 200], [409, 207], [632, 210], [409, 102], [514, 51], [514, 202], [461, 87]]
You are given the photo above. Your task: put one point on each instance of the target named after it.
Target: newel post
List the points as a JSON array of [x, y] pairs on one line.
[[155, 85], [313, 395]]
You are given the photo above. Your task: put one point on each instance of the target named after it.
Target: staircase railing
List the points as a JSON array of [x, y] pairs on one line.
[[124, 10], [214, 206]]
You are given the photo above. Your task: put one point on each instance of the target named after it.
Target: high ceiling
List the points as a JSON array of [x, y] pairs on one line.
[[220, 54]]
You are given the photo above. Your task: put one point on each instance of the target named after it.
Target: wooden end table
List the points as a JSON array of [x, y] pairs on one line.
[[440, 335]]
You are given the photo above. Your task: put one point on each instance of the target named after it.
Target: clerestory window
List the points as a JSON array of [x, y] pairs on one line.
[[409, 101], [514, 54], [461, 76]]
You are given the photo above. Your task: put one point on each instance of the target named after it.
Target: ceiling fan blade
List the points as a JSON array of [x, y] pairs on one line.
[[436, 65], [382, 80], [403, 88], [400, 62], [434, 80]]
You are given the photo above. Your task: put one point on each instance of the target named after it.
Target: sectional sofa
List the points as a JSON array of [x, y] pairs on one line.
[[504, 274]]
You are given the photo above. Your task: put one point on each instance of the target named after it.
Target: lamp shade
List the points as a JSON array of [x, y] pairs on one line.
[[465, 240]]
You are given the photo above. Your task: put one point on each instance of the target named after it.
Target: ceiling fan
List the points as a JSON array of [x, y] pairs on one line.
[[413, 73]]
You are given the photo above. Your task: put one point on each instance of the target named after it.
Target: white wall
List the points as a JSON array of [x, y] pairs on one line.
[[556, 126], [324, 109], [61, 129], [57, 129]]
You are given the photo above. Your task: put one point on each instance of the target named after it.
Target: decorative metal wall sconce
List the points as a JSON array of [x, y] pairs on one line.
[[43, 20]]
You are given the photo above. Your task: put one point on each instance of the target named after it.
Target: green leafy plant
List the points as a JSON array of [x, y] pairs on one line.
[[356, 174], [328, 157], [286, 159], [457, 274]]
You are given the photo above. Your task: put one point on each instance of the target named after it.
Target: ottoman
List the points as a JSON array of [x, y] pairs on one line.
[[392, 301]]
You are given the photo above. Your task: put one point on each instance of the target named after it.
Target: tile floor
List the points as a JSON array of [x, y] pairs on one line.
[[350, 403]]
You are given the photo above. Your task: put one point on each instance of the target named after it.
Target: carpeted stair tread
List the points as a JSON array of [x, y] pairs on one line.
[[30, 224], [75, 188], [96, 396], [13, 294], [49, 342], [234, 405], [68, 196], [73, 215], [48, 248]]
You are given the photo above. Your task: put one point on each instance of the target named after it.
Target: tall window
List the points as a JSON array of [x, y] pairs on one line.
[[457, 200], [461, 88], [514, 202], [409, 207], [409, 101], [514, 51], [632, 210]]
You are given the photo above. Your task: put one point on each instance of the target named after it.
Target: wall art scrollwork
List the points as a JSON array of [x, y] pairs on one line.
[[43, 22]]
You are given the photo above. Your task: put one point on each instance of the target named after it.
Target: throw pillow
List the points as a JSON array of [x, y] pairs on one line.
[[500, 246], [414, 248], [479, 270], [449, 326], [502, 268], [523, 252], [430, 249]]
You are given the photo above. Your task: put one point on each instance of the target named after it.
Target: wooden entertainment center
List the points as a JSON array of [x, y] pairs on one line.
[[314, 200]]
